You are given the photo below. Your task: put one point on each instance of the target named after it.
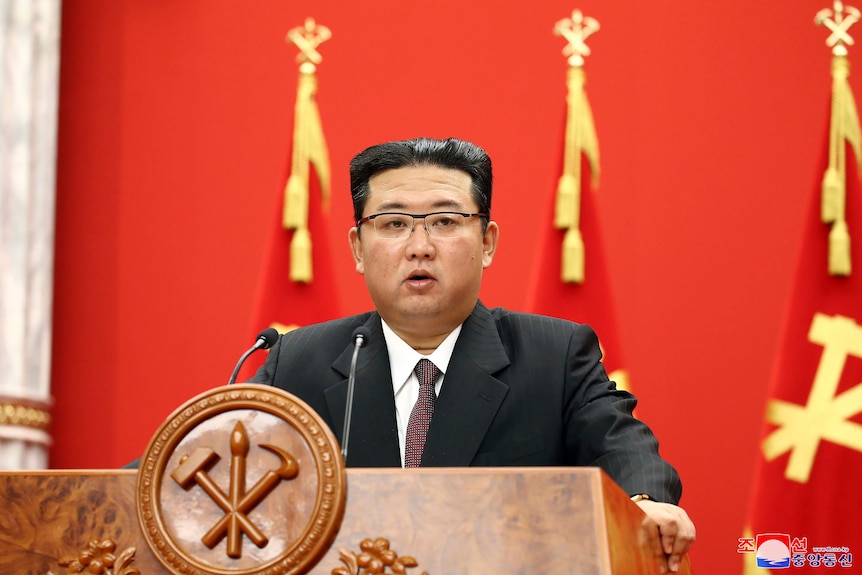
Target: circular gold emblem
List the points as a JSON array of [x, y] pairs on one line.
[[243, 479]]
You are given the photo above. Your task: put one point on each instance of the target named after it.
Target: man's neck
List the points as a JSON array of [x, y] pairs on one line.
[[401, 351], [426, 350], [424, 342]]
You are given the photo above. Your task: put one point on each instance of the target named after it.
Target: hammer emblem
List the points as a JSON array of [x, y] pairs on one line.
[[237, 503]]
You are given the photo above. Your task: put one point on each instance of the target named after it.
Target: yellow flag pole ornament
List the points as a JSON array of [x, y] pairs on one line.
[[580, 139], [843, 127], [309, 147]]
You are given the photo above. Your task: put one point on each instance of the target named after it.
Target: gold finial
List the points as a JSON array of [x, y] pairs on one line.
[[845, 16], [307, 38], [576, 30]]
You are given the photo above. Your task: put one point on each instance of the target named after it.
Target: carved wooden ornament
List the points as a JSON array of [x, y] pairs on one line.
[[243, 479]]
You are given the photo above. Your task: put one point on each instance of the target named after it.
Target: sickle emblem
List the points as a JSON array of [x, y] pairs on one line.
[[238, 502]]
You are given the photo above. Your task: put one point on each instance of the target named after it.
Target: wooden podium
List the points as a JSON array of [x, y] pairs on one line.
[[444, 521]]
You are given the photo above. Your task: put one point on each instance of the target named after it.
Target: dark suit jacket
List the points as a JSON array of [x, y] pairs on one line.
[[520, 389]]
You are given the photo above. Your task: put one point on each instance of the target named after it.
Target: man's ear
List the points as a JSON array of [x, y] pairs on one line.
[[489, 243], [356, 249]]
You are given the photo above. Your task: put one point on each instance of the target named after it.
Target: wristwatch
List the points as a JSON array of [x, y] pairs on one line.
[[641, 497]]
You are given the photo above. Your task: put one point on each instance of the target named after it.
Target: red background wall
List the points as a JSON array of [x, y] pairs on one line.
[[175, 124]]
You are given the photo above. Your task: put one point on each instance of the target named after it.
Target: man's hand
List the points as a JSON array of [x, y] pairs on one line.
[[669, 532]]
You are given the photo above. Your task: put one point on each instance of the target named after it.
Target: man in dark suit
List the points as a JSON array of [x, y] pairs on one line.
[[502, 388]]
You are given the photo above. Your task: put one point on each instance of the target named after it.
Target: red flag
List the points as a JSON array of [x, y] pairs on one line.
[[570, 279], [588, 302], [286, 304], [298, 283], [810, 462]]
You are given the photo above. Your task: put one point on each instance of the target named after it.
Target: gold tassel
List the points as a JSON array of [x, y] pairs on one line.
[[832, 189], [567, 201], [839, 249], [309, 147], [300, 256], [843, 129], [573, 257], [295, 203]]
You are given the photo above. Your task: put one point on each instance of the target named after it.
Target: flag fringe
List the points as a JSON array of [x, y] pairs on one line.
[[843, 129], [580, 140]]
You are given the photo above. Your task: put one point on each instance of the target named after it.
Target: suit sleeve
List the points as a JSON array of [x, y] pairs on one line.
[[601, 430]]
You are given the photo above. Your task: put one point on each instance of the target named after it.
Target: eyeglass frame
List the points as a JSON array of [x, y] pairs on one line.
[[372, 217]]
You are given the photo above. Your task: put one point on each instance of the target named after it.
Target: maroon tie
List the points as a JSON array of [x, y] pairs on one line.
[[417, 427]]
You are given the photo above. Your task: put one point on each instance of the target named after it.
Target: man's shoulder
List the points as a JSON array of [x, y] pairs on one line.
[[542, 329], [503, 315], [331, 328]]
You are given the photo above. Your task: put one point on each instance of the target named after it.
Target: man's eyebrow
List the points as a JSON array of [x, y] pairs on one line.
[[396, 205], [392, 205], [447, 204]]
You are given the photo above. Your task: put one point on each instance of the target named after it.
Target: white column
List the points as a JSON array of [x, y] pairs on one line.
[[30, 56]]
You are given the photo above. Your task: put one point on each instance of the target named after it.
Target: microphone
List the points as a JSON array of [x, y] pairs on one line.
[[361, 335], [265, 340]]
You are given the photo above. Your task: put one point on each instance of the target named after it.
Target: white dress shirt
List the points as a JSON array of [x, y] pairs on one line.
[[402, 362]]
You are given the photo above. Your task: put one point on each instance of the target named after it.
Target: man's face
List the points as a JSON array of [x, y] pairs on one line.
[[421, 285]]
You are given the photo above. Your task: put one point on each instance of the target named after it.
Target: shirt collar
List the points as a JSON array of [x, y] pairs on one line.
[[403, 358]]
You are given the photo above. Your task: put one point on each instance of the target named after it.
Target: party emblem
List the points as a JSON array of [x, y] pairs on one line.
[[242, 479]]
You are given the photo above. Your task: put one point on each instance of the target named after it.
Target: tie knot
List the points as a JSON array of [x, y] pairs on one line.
[[426, 372]]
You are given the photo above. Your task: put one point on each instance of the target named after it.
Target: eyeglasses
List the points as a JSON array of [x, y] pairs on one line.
[[399, 226]]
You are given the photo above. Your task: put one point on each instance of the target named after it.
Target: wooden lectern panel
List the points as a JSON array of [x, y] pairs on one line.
[[49, 517], [467, 521], [451, 521], [502, 520], [248, 480]]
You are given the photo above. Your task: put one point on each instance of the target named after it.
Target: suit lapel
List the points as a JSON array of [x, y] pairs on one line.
[[373, 440], [470, 396]]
